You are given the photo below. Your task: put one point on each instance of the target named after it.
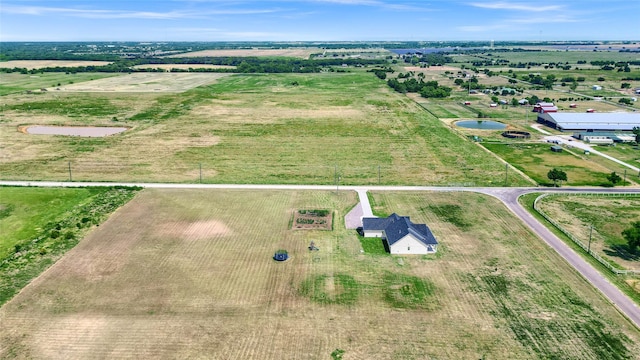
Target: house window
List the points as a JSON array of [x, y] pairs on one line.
[[408, 248]]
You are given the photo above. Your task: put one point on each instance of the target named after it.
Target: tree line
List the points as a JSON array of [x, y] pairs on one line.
[[428, 89], [242, 65]]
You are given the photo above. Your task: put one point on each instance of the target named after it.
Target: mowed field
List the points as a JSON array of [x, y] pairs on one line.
[[184, 274], [279, 128]]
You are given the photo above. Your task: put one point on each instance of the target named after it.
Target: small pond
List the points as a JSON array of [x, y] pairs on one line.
[[481, 124], [84, 131]]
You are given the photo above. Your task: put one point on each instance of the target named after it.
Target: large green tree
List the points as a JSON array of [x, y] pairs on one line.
[[636, 130], [632, 235], [556, 175], [614, 178]]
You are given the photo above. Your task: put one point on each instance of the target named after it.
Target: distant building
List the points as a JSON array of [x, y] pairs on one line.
[[556, 148], [596, 87], [604, 137], [590, 121], [543, 107]]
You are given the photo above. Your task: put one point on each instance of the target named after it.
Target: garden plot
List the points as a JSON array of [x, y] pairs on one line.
[[144, 82], [189, 273]]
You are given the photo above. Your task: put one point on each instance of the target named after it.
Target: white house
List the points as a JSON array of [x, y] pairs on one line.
[[596, 87], [401, 235]]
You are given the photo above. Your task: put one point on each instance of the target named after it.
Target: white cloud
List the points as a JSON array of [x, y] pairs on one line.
[[122, 14], [543, 20], [225, 34], [374, 3], [503, 5]]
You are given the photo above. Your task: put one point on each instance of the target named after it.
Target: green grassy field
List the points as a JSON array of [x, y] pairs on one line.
[[15, 82], [564, 56], [37, 226], [190, 273], [628, 285], [625, 152], [24, 210], [536, 160], [284, 128], [578, 213]]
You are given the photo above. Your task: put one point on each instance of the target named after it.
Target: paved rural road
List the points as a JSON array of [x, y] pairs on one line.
[[509, 196]]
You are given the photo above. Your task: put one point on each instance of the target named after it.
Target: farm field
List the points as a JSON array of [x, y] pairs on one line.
[[196, 279], [578, 213], [145, 82], [15, 82], [303, 53], [536, 160], [168, 67], [281, 128], [38, 64]]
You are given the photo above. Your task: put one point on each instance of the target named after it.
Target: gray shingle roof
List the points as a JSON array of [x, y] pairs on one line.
[[396, 227]]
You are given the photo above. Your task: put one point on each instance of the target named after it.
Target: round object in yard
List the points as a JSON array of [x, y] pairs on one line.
[[281, 255]]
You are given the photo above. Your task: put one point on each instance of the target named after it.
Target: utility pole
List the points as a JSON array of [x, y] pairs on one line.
[[200, 164], [624, 182], [590, 232], [506, 174], [70, 179], [378, 174], [338, 185]]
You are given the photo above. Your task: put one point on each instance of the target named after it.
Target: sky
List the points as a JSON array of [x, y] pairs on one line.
[[318, 20]]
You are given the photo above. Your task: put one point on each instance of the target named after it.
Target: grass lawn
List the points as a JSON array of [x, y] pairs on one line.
[[189, 273], [280, 128]]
